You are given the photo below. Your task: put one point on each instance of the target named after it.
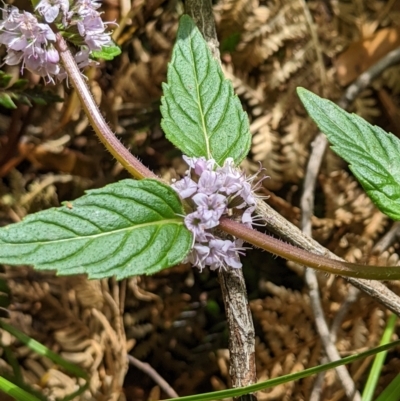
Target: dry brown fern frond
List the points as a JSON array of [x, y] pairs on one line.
[[295, 147], [266, 32], [284, 346], [366, 105], [80, 321], [251, 93], [232, 15], [265, 146]]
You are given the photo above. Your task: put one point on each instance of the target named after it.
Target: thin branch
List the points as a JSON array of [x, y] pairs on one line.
[[368, 76], [323, 330], [146, 368], [317, 44], [351, 297], [290, 233], [201, 13], [392, 235], [240, 323], [107, 137], [315, 300]]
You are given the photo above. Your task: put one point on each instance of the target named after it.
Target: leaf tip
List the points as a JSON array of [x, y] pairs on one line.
[[302, 93]]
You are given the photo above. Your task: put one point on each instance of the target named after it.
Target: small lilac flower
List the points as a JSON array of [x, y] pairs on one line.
[[52, 55], [223, 253], [90, 25], [229, 168], [231, 185], [20, 31], [195, 224], [199, 164], [50, 9], [210, 182], [13, 57], [91, 22], [247, 220], [231, 254], [82, 58], [30, 42], [198, 255], [210, 208], [246, 194], [185, 187], [84, 7]]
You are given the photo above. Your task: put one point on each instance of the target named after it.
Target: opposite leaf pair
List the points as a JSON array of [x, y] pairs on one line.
[[136, 227]]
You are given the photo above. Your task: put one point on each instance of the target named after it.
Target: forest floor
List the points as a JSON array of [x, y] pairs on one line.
[[175, 320]]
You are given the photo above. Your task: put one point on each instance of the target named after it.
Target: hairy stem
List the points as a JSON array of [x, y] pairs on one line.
[[107, 137], [303, 257]]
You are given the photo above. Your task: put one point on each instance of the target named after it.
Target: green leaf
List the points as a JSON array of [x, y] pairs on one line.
[[16, 392], [201, 114], [238, 391], [39, 96], [19, 84], [6, 101], [372, 153], [124, 229], [392, 391], [106, 53], [229, 44], [376, 369], [4, 79]]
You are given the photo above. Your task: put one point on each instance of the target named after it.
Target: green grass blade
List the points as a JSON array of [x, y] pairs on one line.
[[376, 368], [14, 391], [392, 391], [43, 350], [236, 392], [13, 362]]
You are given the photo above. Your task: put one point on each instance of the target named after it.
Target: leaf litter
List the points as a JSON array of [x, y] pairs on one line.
[[175, 319]]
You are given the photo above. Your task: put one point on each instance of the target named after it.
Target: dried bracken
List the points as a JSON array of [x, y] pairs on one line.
[[175, 319], [80, 320]]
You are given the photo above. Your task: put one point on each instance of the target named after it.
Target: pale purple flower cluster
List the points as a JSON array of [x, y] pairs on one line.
[[32, 42], [29, 41], [213, 192]]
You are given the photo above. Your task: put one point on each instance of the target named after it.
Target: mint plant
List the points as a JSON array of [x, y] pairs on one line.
[[131, 227], [141, 227], [201, 116]]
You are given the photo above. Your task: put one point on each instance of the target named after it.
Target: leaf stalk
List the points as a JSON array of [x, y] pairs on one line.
[[306, 258], [103, 131]]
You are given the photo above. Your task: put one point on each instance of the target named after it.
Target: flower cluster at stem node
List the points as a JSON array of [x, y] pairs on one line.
[[31, 41], [214, 192]]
